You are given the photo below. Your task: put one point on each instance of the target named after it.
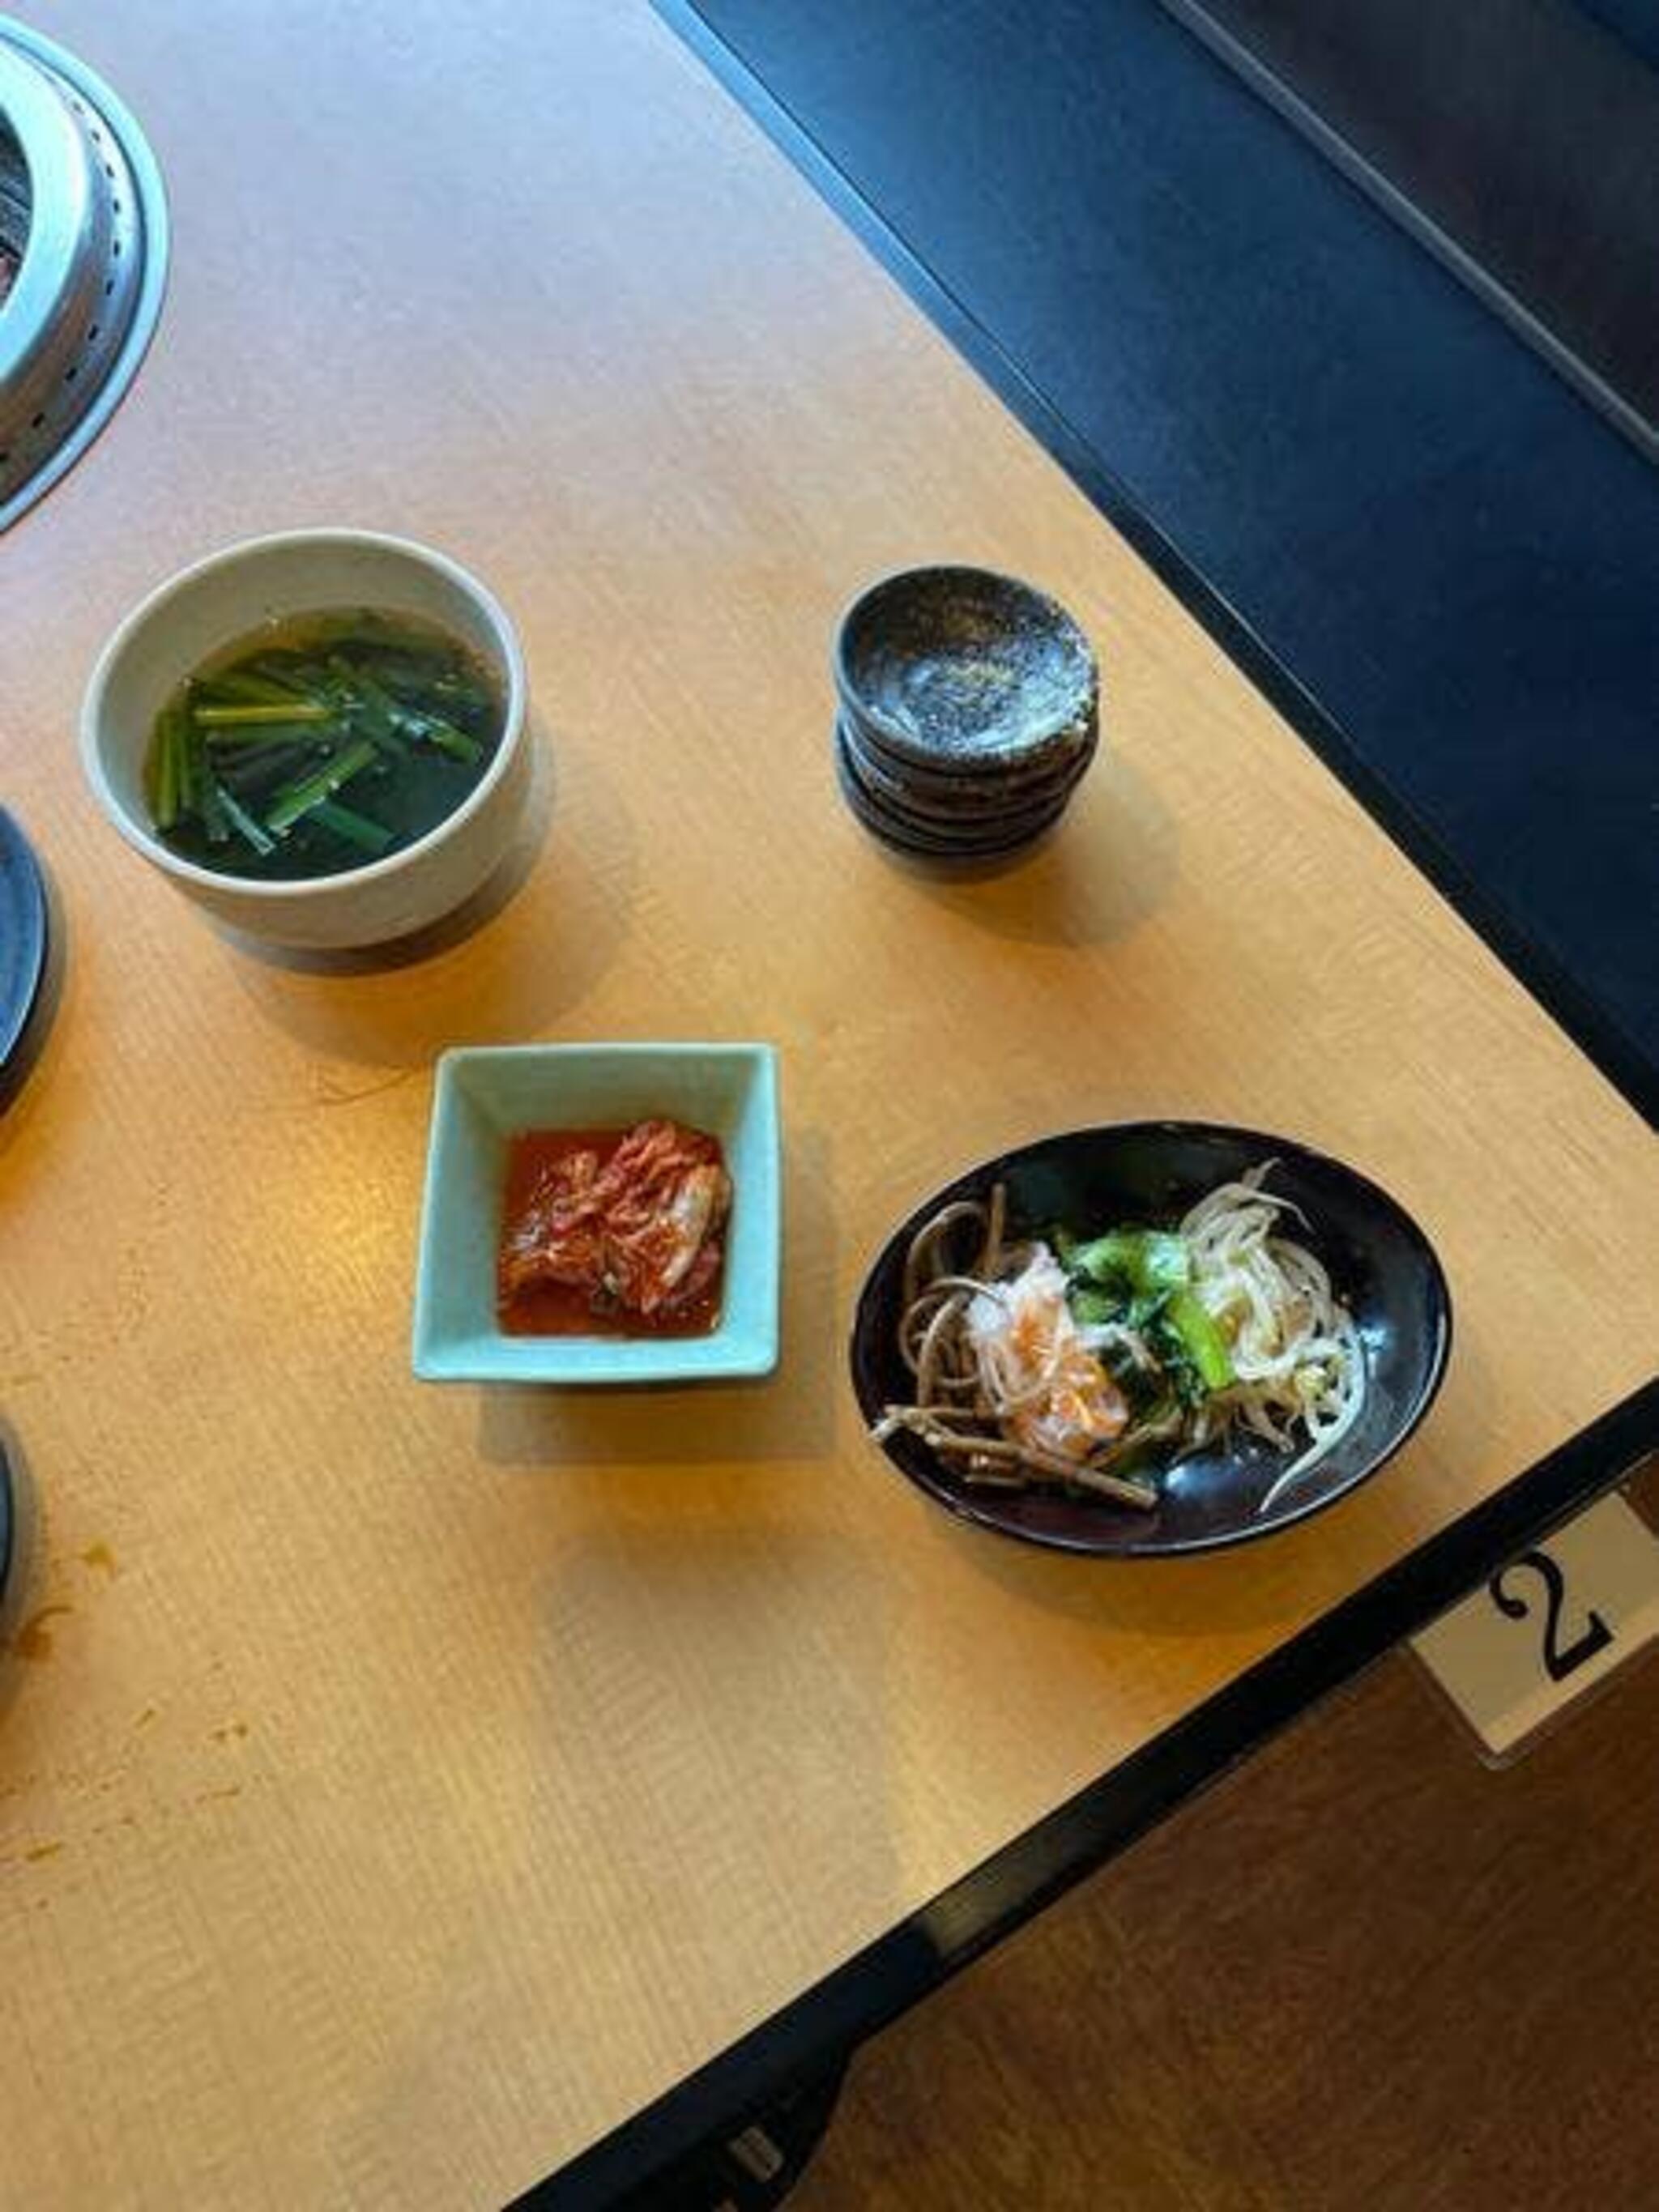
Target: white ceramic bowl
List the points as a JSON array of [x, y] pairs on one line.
[[232, 593]]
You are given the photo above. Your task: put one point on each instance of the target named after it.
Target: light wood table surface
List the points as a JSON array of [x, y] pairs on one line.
[[401, 1786]]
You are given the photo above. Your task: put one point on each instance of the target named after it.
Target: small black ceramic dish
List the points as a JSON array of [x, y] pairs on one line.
[[1382, 1268], [925, 831], [22, 935], [983, 801], [970, 709]]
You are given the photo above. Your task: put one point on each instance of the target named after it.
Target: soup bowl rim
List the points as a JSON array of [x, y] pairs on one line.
[[246, 553]]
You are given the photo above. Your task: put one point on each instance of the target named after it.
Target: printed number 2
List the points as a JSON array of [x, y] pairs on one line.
[[1558, 1663]]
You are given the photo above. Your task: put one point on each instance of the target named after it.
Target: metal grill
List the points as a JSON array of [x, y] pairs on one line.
[[83, 239]]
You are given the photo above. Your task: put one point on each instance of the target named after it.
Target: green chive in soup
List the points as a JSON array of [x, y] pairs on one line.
[[321, 744]]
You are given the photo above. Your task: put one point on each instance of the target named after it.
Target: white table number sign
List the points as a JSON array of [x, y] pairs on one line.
[[1552, 1623]]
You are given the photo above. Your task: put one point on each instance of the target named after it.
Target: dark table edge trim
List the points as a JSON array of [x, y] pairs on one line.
[[816, 2031], [1603, 1041]]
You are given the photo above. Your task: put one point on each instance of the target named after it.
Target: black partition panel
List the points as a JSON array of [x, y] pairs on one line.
[[1521, 138]]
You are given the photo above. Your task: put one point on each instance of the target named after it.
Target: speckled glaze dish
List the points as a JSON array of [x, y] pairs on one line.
[[961, 801], [969, 710], [1382, 1266], [964, 668], [927, 832]]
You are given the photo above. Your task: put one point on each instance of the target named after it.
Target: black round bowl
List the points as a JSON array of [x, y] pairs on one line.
[[961, 800], [915, 830], [1382, 1266], [22, 935]]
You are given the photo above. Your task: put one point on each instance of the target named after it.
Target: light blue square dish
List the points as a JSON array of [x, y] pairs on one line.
[[484, 1096]]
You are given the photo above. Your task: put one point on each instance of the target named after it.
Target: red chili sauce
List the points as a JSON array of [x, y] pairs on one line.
[[613, 1232]]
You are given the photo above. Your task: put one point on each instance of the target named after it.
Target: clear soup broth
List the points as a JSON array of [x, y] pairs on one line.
[[321, 744]]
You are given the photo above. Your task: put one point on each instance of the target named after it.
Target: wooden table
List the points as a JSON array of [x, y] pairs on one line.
[[402, 1788]]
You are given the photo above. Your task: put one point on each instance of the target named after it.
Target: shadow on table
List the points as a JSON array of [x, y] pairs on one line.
[[1215, 1595], [1278, 1582], [699, 1424], [777, 1419], [1095, 879], [394, 1004]]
